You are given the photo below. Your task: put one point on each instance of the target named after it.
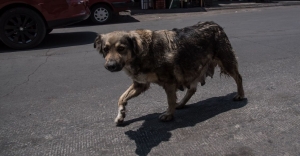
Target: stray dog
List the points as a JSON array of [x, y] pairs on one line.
[[175, 59]]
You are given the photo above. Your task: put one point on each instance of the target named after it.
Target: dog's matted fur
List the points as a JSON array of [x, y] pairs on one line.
[[174, 59]]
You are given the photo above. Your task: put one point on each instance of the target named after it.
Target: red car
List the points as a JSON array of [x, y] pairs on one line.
[[24, 23], [102, 10]]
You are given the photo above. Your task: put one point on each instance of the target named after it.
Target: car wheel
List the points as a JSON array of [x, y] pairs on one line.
[[22, 28], [100, 14]]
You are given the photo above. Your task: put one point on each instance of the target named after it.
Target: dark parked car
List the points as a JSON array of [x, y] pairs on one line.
[[24, 23], [103, 10]]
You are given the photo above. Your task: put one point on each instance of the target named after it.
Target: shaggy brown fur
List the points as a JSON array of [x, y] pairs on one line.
[[174, 59]]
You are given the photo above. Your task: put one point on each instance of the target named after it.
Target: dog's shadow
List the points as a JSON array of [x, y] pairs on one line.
[[153, 132]]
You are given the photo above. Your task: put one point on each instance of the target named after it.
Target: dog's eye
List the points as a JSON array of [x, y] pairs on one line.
[[106, 49], [121, 48]]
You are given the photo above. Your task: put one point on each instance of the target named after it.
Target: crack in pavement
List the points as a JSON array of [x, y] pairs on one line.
[[268, 35], [85, 55], [5, 83], [28, 77], [273, 47]]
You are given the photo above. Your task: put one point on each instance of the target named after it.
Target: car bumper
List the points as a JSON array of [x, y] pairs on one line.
[[122, 6], [67, 21], [74, 11]]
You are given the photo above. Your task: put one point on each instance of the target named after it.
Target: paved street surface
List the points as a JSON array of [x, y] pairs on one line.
[[58, 99]]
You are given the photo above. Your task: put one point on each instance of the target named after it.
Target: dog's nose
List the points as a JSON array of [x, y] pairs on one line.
[[111, 65]]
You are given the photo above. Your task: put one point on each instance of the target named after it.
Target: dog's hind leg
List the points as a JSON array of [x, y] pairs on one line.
[[239, 82], [134, 90], [228, 63], [170, 90], [231, 68], [190, 92]]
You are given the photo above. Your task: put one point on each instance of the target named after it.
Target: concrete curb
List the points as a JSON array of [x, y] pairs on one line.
[[216, 6], [254, 5]]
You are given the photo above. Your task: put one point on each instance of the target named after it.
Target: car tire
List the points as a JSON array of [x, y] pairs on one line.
[[100, 14], [22, 28]]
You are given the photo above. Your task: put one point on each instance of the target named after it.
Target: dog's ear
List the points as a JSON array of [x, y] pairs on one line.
[[98, 43], [136, 43]]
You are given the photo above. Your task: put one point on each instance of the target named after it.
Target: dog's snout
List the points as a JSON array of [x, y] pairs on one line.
[[112, 66]]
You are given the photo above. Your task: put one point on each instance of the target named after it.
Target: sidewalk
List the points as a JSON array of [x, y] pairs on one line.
[[216, 6]]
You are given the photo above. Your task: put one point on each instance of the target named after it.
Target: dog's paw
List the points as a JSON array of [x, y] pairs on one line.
[[119, 121], [166, 117], [120, 118], [238, 98]]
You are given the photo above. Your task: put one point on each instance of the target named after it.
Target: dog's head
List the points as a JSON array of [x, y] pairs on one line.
[[118, 48]]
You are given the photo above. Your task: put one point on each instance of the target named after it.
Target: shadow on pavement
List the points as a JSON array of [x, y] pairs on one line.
[[153, 132], [160, 11], [58, 40], [117, 19]]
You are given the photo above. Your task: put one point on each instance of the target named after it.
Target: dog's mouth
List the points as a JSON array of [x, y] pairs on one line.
[[115, 69]]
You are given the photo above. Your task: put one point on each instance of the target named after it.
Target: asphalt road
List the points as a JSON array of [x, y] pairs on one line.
[[58, 99]]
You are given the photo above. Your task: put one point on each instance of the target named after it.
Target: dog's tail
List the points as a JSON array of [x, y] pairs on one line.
[[224, 54]]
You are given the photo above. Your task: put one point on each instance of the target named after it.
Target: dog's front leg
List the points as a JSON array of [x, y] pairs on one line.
[[170, 90], [134, 90]]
